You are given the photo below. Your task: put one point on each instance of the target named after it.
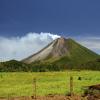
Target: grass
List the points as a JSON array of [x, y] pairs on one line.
[[21, 83]]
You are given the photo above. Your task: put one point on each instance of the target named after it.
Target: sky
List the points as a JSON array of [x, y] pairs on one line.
[[25, 24]]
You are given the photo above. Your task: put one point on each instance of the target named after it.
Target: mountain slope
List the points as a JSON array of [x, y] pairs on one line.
[[94, 65], [78, 55], [54, 50], [63, 52]]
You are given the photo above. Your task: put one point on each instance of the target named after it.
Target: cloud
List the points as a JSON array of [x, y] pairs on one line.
[[92, 43], [21, 47]]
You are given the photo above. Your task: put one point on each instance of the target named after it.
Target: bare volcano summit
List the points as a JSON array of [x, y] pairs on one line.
[[62, 51], [56, 49]]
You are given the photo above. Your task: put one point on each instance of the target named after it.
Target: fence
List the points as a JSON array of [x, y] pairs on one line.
[[51, 85]]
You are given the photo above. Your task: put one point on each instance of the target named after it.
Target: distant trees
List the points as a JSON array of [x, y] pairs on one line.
[[14, 66]]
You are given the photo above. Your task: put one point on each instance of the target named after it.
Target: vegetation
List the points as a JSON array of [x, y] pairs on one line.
[[15, 66], [21, 83], [91, 65]]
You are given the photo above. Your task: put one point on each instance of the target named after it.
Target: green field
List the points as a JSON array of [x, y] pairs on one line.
[[21, 83]]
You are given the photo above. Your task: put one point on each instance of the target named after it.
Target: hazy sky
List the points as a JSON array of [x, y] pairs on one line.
[[79, 19]]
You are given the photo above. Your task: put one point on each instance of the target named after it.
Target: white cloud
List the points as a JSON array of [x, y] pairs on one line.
[[21, 47], [92, 43]]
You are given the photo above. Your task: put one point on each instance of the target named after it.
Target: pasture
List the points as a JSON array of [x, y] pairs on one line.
[[21, 83]]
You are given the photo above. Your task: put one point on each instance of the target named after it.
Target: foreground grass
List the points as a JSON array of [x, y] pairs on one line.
[[21, 83]]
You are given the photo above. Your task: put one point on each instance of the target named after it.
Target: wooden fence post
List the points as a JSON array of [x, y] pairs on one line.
[[34, 88], [8, 97], [71, 85]]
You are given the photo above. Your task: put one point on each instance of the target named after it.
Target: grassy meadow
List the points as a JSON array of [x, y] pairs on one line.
[[21, 83]]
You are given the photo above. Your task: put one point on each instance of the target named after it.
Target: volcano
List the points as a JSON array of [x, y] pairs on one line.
[[60, 54], [63, 52]]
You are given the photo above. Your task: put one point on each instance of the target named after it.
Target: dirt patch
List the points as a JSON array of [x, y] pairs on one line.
[[53, 97], [49, 97]]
